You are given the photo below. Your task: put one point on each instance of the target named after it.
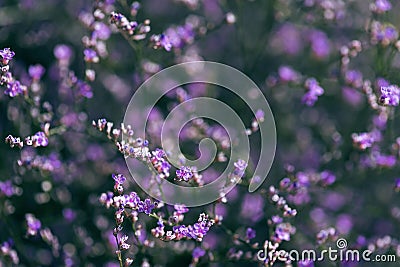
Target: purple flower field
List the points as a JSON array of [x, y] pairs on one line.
[[97, 171]]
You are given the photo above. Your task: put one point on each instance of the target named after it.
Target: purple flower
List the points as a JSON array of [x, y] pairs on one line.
[[397, 185], [390, 33], [184, 173], [250, 233], [33, 224], [240, 167], [381, 6], [7, 54], [101, 31], [354, 78], [260, 115], [287, 74], [84, 89], [390, 95], [314, 91], [276, 219], [283, 232], [363, 140], [381, 82], [305, 263], [180, 208], [119, 178], [14, 88], [146, 206], [327, 178], [39, 139], [63, 52], [385, 160], [159, 154], [6, 188], [90, 55], [319, 44], [69, 214], [36, 71], [198, 252], [161, 41]]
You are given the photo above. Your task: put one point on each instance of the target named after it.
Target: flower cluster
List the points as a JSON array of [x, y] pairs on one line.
[[196, 231], [184, 173], [13, 87], [132, 29], [8, 253], [36, 140], [390, 96], [313, 91], [383, 33]]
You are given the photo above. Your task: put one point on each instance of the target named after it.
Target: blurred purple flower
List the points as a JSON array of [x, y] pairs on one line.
[[250, 233], [101, 31], [69, 214], [381, 6], [305, 263], [6, 188], [319, 43], [198, 252], [63, 52], [36, 71], [288, 74]]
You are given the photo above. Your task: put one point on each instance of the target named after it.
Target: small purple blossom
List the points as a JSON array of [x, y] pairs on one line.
[[363, 140], [69, 214], [84, 89], [184, 173], [327, 178], [14, 88], [6, 54], [161, 41], [240, 167], [6, 188], [90, 55], [33, 224], [118, 178], [381, 6], [390, 95], [36, 71], [63, 52], [101, 31], [260, 115], [198, 253], [320, 45], [40, 139], [397, 185], [250, 233], [305, 263], [354, 78], [146, 206], [313, 91], [385, 160], [180, 208], [288, 74], [283, 232]]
